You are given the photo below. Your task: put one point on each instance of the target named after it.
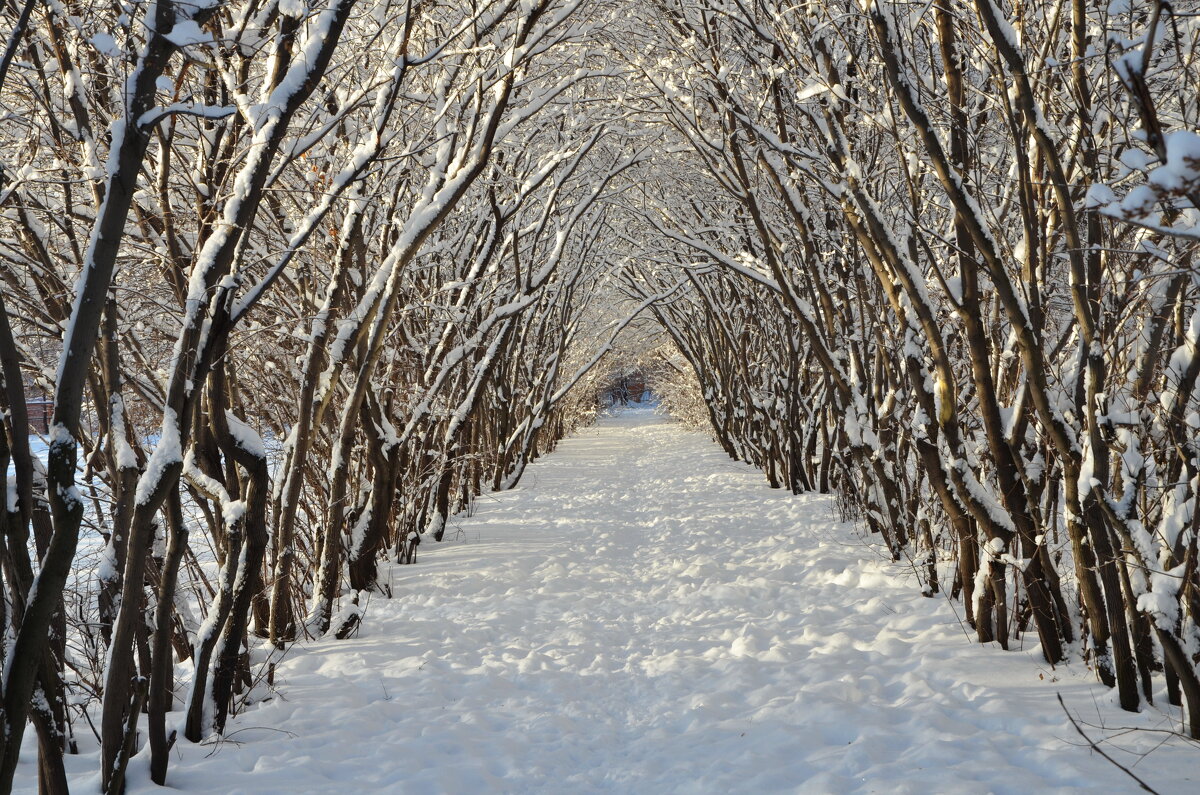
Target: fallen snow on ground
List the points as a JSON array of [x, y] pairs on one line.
[[644, 615]]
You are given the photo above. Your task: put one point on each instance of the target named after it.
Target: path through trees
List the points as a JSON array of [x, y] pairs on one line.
[[302, 279], [645, 615]]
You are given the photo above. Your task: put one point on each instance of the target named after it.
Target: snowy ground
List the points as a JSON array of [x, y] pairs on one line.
[[645, 616]]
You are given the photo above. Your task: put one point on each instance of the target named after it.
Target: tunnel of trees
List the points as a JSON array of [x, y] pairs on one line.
[[299, 279]]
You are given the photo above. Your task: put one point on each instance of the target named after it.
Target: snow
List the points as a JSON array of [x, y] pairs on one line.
[[644, 615], [1181, 172], [166, 453], [106, 45], [1099, 195], [126, 458], [245, 437], [293, 8]]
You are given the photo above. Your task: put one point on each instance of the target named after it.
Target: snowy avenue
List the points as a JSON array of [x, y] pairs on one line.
[[640, 396], [644, 615]]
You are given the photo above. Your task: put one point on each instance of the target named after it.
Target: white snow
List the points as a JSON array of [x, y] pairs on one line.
[[644, 615], [167, 452], [293, 8], [1181, 172], [186, 32], [245, 437], [106, 45]]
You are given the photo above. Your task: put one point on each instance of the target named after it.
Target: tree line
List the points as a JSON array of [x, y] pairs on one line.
[[301, 280], [941, 262]]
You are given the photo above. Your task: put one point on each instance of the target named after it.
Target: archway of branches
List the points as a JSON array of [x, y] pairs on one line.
[[296, 281]]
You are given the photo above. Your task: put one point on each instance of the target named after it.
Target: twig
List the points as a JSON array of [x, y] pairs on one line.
[[1098, 750]]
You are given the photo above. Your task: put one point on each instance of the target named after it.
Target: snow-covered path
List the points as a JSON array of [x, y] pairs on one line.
[[644, 615]]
